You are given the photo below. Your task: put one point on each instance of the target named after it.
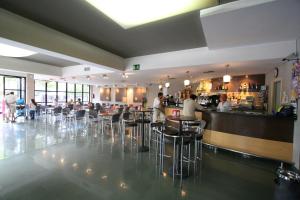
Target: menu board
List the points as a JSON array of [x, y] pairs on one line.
[[121, 95], [105, 94]]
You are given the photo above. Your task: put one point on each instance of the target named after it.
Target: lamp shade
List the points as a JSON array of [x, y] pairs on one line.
[[167, 84], [186, 82], [226, 78], [160, 86]]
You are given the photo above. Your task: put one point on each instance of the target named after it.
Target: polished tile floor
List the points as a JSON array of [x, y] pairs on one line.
[[40, 161]]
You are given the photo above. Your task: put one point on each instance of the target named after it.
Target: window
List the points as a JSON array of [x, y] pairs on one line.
[[40, 92], [61, 92], [46, 92], [71, 92], [16, 85], [86, 93], [12, 84]]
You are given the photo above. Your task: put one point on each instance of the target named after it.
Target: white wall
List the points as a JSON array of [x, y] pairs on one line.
[[29, 87]]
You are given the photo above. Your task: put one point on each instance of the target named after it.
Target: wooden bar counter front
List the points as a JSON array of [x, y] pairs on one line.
[[259, 135]]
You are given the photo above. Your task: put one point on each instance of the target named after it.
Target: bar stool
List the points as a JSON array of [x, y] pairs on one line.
[[178, 142], [155, 130], [198, 139]]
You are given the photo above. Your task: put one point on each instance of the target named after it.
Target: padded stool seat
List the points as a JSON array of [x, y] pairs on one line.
[[156, 124], [146, 121], [130, 124]]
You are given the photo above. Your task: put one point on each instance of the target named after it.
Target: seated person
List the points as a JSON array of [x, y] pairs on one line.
[[190, 106], [224, 105], [32, 108], [91, 106]]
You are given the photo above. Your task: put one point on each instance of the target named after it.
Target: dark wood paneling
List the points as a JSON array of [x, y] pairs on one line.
[[264, 127]]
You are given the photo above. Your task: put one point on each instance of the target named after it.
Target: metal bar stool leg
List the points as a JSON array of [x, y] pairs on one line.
[[174, 158]]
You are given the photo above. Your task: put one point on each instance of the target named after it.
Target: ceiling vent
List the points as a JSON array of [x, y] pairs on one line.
[[86, 69]]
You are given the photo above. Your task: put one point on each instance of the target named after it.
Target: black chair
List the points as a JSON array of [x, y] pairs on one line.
[[128, 122]]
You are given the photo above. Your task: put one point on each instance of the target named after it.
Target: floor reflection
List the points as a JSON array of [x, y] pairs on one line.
[[41, 160]]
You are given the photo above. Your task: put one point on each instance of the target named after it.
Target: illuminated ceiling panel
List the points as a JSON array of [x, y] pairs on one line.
[[131, 13]]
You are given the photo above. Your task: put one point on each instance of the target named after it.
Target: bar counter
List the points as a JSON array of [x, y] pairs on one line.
[[256, 134]]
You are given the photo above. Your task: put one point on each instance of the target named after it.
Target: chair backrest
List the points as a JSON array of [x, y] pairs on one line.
[[98, 106], [115, 118], [66, 111], [80, 114], [38, 109], [93, 114], [71, 106], [57, 110], [126, 115]]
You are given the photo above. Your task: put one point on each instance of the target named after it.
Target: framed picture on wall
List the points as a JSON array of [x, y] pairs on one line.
[[105, 94], [139, 94], [121, 95]]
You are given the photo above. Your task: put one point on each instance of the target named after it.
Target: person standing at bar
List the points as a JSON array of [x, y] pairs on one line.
[[224, 105], [158, 113], [190, 106]]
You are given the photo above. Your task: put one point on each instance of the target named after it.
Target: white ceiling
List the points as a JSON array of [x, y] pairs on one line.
[[146, 77], [252, 22]]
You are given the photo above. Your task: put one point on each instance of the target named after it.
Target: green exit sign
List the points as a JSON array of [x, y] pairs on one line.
[[136, 67]]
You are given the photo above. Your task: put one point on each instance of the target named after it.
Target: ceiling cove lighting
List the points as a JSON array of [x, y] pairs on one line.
[[11, 51], [226, 77], [131, 13]]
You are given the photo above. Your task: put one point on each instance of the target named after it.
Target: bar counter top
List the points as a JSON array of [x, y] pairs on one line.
[[260, 134]]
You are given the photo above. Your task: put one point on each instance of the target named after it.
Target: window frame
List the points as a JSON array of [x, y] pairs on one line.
[[66, 92]]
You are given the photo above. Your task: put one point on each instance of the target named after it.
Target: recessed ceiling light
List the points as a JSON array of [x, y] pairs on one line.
[[11, 51], [131, 13]]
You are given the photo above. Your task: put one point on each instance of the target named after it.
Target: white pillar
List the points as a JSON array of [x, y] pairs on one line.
[[29, 87]]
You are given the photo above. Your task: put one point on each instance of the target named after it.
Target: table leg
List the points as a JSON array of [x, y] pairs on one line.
[[143, 148]]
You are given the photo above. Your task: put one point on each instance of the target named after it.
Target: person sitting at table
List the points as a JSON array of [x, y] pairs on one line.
[[79, 102], [32, 108], [55, 102], [224, 105], [190, 106], [158, 108], [91, 106]]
